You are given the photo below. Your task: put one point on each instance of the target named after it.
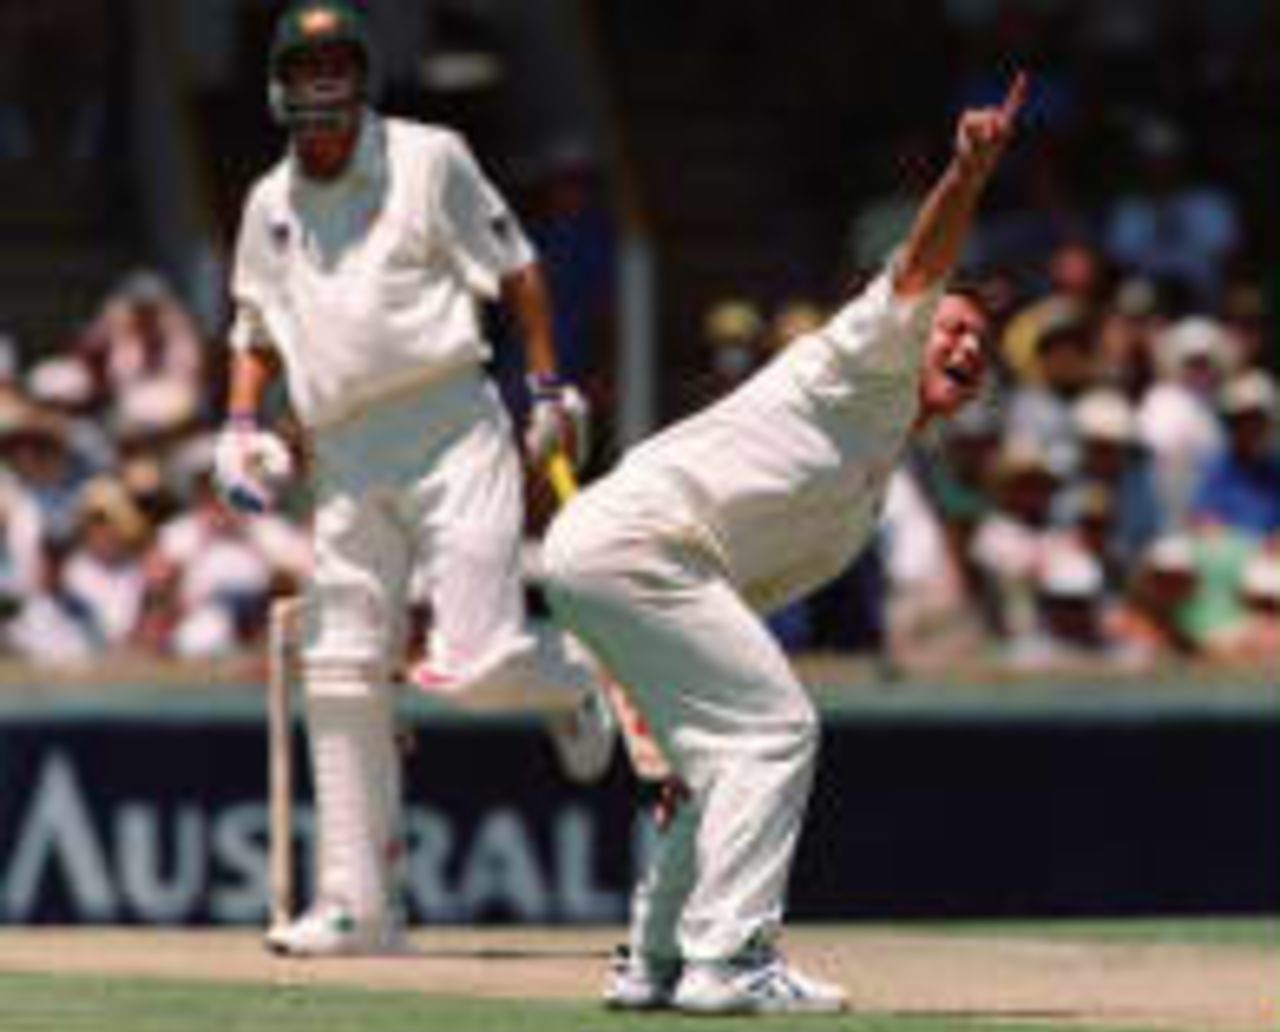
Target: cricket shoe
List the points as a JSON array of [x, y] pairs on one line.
[[758, 981], [330, 930], [585, 738], [640, 983]]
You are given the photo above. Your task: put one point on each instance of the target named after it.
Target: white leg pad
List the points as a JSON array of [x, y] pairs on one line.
[[356, 773]]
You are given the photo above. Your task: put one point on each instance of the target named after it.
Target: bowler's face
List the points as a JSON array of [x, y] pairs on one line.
[[955, 358]]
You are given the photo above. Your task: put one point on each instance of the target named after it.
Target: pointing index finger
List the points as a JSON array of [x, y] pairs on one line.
[[1016, 97]]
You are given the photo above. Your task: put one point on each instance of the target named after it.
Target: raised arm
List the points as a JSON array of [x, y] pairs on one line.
[[938, 233]]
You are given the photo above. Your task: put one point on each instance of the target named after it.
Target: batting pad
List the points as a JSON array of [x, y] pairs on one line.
[[357, 794]]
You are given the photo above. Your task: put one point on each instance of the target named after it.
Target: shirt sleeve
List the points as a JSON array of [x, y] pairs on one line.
[[880, 332], [484, 236], [251, 278]]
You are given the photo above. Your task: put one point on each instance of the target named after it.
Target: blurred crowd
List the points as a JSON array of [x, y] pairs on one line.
[[112, 537]]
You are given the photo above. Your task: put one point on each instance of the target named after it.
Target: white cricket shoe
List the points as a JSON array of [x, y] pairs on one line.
[[585, 738], [330, 930], [757, 982], [640, 983]]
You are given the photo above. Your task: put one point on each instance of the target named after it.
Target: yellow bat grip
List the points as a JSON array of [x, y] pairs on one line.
[[564, 482]]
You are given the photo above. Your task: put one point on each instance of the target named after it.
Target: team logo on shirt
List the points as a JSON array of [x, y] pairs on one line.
[[503, 228], [279, 232]]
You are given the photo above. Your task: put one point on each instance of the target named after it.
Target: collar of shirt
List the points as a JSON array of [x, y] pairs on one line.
[[367, 167]]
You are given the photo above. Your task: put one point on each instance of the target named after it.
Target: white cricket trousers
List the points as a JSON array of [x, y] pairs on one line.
[[625, 573], [426, 483], [429, 485]]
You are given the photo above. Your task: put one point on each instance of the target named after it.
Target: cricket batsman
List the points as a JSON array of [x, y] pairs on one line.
[[361, 258], [665, 566]]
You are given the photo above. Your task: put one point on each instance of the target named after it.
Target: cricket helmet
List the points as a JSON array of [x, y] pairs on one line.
[[320, 102]]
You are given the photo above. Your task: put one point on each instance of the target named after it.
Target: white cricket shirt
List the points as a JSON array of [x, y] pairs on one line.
[[369, 284], [786, 476]]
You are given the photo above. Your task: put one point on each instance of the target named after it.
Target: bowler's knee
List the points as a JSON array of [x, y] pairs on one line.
[[793, 737]]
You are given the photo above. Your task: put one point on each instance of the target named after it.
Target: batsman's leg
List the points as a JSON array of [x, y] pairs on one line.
[[349, 623], [484, 653]]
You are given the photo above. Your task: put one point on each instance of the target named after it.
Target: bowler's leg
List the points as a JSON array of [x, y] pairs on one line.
[[725, 707]]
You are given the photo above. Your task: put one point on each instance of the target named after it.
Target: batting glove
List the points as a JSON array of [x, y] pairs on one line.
[[250, 466], [559, 421]]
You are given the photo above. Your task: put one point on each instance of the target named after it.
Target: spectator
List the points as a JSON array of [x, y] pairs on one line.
[[47, 625], [1177, 419], [1086, 517], [155, 417], [1149, 621], [927, 620], [35, 447], [1012, 542], [1240, 487], [1111, 459], [734, 336], [1244, 315], [1215, 610], [1126, 338], [1070, 628], [104, 569], [1169, 227], [10, 388], [958, 480], [1041, 412], [63, 385], [142, 332], [21, 546], [1256, 638], [1077, 284]]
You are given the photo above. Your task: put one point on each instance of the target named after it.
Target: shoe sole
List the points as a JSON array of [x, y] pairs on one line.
[[403, 948], [753, 1007]]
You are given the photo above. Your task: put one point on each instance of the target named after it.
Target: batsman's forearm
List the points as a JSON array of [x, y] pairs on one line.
[[525, 294], [938, 233], [252, 371]]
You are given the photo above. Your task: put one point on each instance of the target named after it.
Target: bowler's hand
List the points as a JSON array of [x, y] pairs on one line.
[[983, 133]]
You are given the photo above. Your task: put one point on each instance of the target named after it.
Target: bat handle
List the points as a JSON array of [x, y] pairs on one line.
[[564, 482]]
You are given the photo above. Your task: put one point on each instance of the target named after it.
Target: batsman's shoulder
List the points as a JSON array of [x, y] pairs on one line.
[[268, 189], [264, 205], [428, 137]]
